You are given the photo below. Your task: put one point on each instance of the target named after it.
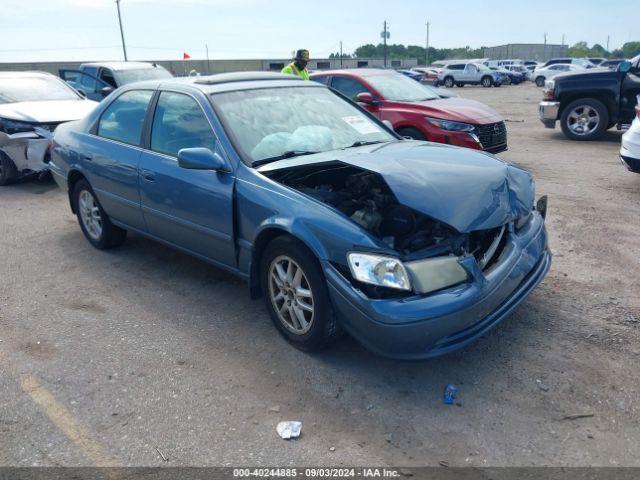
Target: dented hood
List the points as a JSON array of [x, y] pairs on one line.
[[466, 189], [51, 111]]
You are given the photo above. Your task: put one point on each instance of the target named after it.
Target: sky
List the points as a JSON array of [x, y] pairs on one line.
[[48, 30]]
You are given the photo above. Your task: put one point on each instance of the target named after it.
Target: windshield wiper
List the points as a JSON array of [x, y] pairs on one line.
[[287, 154], [361, 143]]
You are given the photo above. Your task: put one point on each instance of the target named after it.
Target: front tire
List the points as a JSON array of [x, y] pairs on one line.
[[448, 82], [507, 81], [584, 119], [93, 220], [8, 171], [411, 132], [296, 295], [540, 82]]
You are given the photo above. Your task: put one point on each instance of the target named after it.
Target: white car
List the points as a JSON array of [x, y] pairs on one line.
[[630, 149], [541, 75], [32, 105]]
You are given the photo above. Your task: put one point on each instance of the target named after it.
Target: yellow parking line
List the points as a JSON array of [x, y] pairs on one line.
[[65, 421]]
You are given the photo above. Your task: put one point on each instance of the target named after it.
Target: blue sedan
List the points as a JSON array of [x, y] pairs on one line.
[[415, 249]]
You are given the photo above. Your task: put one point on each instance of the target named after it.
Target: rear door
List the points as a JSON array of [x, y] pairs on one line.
[[192, 209], [111, 162]]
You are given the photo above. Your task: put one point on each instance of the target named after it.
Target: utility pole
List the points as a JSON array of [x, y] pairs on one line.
[[208, 66], [124, 48], [607, 43], [544, 54], [385, 35], [340, 53], [426, 56]]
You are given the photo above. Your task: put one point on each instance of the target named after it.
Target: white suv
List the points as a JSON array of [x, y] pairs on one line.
[[540, 75], [461, 74]]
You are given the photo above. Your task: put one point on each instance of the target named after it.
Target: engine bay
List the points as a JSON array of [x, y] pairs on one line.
[[367, 200]]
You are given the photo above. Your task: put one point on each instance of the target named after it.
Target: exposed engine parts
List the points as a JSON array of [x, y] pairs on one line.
[[366, 199]]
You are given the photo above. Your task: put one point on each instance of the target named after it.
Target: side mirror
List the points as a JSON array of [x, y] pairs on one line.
[[624, 67], [367, 98], [106, 91], [202, 159]]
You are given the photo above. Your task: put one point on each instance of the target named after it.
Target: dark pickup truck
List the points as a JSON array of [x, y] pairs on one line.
[[588, 103]]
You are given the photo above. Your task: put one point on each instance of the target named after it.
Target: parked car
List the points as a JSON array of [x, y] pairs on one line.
[[596, 61], [612, 63], [581, 62], [97, 80], [509, 77], [589, 102], [417, 76], [630, 148], [32, 105], [541, 75], [429, 75], [415, 111], [415, 249], [521, 69], [461, 74]]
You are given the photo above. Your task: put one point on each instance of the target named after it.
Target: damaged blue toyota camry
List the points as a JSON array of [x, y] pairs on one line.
[[413, 248]]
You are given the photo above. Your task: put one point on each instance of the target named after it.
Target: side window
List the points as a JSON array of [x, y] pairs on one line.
[[123, 119], [88, 82], [348, 87], [472, 68], [107, 76], [179, 122], [324, 79]]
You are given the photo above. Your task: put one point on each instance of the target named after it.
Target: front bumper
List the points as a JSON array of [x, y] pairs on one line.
[[28, 151], [630, 148], [548, 113], [424, 326]]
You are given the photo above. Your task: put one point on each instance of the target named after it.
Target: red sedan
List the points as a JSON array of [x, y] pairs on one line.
[[417, 111]]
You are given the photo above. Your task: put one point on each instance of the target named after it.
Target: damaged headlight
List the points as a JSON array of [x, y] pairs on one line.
[[523, 221], [379, 270], [451, 125], [12, 126]]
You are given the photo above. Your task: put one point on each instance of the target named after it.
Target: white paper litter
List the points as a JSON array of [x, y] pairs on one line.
[[289, 429]]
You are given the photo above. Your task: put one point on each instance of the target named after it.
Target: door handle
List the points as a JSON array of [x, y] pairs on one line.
[[87, 156], [148, 176]]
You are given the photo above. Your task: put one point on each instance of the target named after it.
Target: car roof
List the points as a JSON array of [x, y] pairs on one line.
[[120, 65], [356, 72], [224, 82], [25, 74]]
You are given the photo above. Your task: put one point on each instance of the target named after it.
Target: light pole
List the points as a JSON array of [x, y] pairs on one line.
[[124, 48], [385, 34], [426, 57]]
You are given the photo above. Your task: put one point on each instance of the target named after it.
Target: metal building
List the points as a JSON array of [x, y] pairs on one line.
[[526, 51]]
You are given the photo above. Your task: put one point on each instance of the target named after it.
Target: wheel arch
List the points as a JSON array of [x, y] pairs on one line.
[[266, 235], [73, 178]]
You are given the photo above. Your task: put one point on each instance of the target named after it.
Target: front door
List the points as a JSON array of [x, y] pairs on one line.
[[84, 82], [630, 90], [192, 209], [350, 88]]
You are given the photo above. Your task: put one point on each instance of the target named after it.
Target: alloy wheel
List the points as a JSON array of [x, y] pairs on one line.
[[291, 295], [90, 214], [583, 120]]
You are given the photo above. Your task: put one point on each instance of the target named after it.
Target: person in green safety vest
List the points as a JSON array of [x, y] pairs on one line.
[[299, 65]]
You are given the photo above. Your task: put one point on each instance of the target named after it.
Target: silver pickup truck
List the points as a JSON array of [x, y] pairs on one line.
[[461, 74]]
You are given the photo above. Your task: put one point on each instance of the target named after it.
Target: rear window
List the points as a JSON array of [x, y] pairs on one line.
[[35, 89], [123, 119]]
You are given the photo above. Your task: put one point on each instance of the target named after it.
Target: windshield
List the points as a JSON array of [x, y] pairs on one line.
[[35, 89], [270, 122], [141, 74], [484, 68], [399, 88]]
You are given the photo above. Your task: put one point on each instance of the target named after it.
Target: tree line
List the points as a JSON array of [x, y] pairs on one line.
[[399, 51]]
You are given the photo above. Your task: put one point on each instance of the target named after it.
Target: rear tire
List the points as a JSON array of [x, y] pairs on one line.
[[448, 82], [540, 81], [93, 220], [8, 171], [584, 119], [459, 85], [298, 299], [411, 132]]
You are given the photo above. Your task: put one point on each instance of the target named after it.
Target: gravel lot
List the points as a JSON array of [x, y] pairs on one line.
[[126, 356]]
